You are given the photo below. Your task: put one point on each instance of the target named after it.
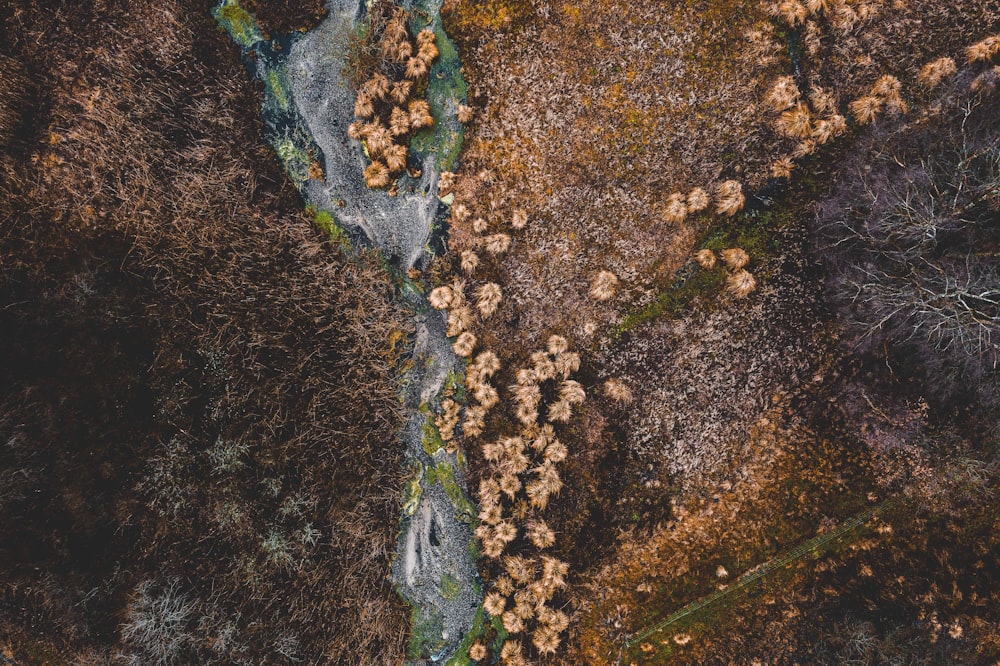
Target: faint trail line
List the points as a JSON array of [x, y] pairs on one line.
[[761, 571]]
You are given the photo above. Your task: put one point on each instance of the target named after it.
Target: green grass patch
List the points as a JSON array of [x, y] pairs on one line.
[[238, 22], [461, 657], [444, 474]]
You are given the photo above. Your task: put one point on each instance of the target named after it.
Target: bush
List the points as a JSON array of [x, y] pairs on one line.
[[910, 239]]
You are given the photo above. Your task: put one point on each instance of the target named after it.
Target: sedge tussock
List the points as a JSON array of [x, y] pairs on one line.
[[470, 261], [480, 225], [556, 620], [487, 363], [465, 114], [506, 531], [822, 133], [555, 452], [376, 175], [792, 12], [403, 52], [377, 139], [545, 641], [556, 344], [838, 124], [399, 122], [604, 286], [515, 463], [549, 476], [698, 200], [526, 376], [523, 609], [886, 86], [818, 6], [865, 109], [475, 421], [676, 210], [526, 415], [489, 491], [844, 18], [538, 494], [540, 534], [494, 603], [395, 158], [520, 568], [493, 547], [460, 212], [465, 344], [735, 258], [510, 484], [416, 68], [572, 392], [618, 390], [354, 130], [377, 86], [804, 149], [527, 395], [492, 451], [446, 181], [822, 100], [511, 651], [491, 515], [504, 585], [477, 651], [428, 52], [497, 244], [488, 297], [783, 94], [567, 363], [741, 283], [544, 369], [420, 114], [782, 168], [441, 298], [542, 436], [363, 106], [560, 411], [519, 219], [936, 71], [729, 198], [486, 395], [459, 319], [426, 36], [796, 123], [983, 51], [400, 93], [705, 258]]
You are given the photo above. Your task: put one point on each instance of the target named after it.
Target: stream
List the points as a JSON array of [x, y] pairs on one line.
[[308, 105]]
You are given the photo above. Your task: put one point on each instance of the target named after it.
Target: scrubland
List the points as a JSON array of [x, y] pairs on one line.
[[199, 400], [724, 274]]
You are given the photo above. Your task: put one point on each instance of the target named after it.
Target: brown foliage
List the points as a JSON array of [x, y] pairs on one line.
[[210, 397]]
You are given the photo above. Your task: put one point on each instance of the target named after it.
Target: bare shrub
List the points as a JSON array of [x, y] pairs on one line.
[[908, 235]]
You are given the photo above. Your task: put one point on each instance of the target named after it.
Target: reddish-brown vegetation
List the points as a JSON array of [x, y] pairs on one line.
[[198, 405]]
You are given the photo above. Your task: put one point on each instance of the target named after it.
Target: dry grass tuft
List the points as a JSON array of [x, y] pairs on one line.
[[741, 283], [729, 198], [933, 73], [698, 200], [676, 210], [735, 258], [441, 298], [795, 123], [984, 50], [705, 258], [783, 95], [783, 167], [604, 286], [470, 261], [865, 109], [376, 175], [465, 344], [497, 244], [618, 390]]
